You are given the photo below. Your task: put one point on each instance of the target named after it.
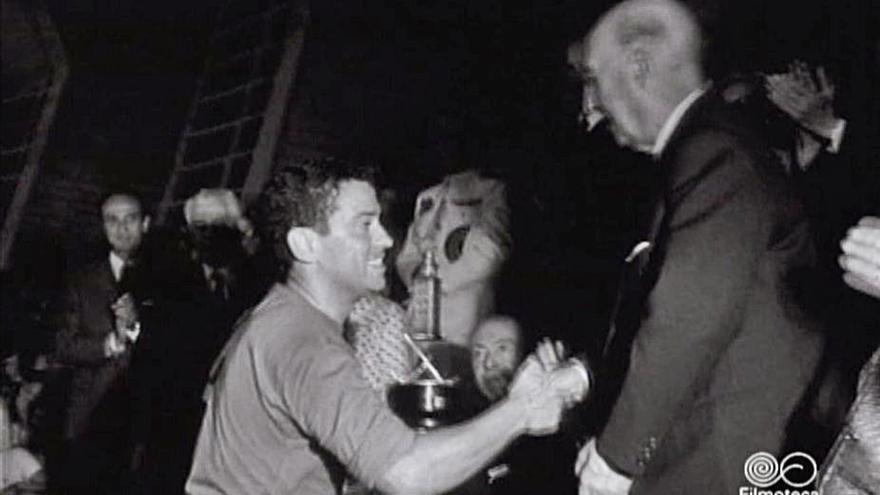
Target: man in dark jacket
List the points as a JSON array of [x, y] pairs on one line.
[[208, 281], [719, 351], [99, 328]]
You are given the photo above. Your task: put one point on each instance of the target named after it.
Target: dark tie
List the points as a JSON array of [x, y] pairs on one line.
[[126, 277], [219, 285]]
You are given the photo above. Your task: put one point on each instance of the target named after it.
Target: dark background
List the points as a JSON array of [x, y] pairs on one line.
[[425, 88]]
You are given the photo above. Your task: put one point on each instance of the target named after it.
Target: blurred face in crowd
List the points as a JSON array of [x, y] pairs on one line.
[[217, 245], [124, 224], [496, 352], [351, 252]]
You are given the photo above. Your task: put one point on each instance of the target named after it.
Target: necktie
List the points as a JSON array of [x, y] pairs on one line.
[[219, 285], [126, 276]]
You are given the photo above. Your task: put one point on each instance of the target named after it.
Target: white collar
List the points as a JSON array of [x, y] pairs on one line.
[[674, 119], [116, 265]]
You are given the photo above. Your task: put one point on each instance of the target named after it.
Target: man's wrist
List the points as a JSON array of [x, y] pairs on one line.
[[516, 407], [584, 371], [112, 346]]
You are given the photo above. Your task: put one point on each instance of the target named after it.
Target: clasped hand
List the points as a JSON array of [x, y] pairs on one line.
[[547, 387], [861, 256]]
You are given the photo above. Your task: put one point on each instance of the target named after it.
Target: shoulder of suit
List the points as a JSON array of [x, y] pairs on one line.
[[89, 270]]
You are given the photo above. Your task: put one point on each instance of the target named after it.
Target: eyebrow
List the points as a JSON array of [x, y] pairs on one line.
[[368, 213]]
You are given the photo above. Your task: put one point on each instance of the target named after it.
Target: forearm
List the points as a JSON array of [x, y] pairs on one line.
[[442, 459]]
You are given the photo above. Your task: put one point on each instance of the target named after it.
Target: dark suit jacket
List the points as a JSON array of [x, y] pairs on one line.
[[86, 320], [720, 351]]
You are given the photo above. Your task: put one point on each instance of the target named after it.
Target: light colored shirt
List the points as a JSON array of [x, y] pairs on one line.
[[674, 120], [836, 136], [288, 407], [117, 265]]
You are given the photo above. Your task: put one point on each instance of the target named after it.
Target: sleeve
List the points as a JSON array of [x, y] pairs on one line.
[[333, 403], [717, 231], [74, 345]]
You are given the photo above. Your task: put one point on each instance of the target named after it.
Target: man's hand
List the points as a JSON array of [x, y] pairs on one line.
[[125, 312], [861, 256], [114, 345], [571, 382], [532, 390], [796, 93], [550, 354], [596, 476]]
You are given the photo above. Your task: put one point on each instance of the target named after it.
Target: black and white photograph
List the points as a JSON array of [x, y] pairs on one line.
[[451, 247]]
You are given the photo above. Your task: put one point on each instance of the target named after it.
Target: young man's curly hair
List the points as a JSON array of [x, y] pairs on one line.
[[302, 193]]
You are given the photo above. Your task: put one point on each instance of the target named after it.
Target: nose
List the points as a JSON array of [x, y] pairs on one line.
[[591, 111], [489, 362], [383, 240]]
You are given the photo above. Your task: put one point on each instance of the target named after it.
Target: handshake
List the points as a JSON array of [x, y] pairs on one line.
[[546, 385]]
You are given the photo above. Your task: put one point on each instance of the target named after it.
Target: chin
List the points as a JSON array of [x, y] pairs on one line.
[[377, 286]]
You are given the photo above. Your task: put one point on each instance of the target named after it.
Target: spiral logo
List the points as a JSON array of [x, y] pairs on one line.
[[761, 469], [799, 466], [796, 469]]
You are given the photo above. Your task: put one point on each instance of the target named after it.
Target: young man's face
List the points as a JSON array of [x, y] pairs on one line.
[[496, 352], [352, 251], [124, 224]]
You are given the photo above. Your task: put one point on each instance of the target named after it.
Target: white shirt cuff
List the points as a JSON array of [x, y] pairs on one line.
[[134, 332], [836, 136], [582, 370]]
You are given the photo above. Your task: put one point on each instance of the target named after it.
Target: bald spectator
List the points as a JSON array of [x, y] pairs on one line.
[[530, 465], [496, 351]]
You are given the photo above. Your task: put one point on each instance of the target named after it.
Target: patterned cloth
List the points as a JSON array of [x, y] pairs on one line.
[[375, 329], [853, 466]]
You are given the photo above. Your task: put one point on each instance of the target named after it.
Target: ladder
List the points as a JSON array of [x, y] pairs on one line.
[[28, 111], [237, 115]]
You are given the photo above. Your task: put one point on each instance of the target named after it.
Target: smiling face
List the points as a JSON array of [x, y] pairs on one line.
[[351, 252], [496, 352], [124, 224]]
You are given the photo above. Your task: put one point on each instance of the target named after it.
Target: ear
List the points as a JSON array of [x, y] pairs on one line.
[[145, 223], [303, 244], [640, 66]]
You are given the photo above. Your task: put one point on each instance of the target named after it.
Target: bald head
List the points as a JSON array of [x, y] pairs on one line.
[[496, 352], [641, 59], [665, 30]]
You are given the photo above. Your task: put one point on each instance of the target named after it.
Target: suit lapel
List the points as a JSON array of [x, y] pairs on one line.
[[107, 281], [635, 268]]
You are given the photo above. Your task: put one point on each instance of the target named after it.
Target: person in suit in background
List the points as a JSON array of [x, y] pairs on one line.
[[100, 325], [208, 280], [718, 350]]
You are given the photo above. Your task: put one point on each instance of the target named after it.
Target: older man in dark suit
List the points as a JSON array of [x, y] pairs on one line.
[[719, 351], [100, 324]]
